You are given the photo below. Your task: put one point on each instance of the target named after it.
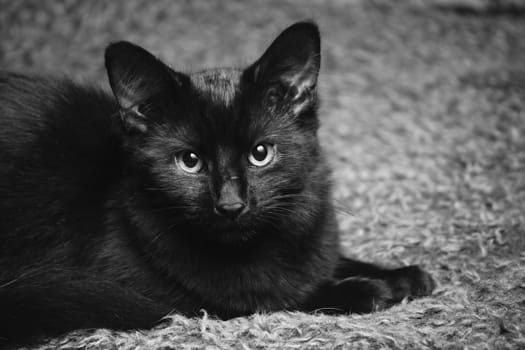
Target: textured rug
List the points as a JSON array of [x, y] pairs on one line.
[[423, 121]]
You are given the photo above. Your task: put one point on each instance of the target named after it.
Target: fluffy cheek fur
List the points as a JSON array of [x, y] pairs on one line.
[[176, 192], [283, 180]]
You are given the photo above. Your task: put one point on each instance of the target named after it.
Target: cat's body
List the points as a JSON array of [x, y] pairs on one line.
[[203, 191]]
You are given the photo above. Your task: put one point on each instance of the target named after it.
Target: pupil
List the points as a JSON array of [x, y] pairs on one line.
[[190, 159], [260, 152]]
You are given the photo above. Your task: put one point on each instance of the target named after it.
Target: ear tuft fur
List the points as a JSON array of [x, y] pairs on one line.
[[136, 78]]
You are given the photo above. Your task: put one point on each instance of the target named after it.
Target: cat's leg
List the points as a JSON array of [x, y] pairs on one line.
[[353, 294], [362, 287], [408, 281], [347, 267]]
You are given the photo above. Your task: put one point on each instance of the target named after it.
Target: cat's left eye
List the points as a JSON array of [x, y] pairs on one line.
[[189, 161], [261, 154]]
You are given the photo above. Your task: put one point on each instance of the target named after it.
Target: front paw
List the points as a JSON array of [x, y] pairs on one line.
[[410, 281]]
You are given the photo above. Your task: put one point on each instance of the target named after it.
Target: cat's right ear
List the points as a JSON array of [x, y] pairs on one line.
[[137, 78]]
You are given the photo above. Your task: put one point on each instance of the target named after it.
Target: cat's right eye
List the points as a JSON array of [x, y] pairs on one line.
[[189, 161]]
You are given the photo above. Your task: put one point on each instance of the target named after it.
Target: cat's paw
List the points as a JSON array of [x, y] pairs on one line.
[[410, 281], [364, 295]]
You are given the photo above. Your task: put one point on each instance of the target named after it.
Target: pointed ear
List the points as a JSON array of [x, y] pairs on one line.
[[294, 58], [136, 77]]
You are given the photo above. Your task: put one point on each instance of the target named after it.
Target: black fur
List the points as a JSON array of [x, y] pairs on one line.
[[102, 226]]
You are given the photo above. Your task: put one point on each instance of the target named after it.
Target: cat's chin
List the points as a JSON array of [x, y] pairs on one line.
[[230, 231]]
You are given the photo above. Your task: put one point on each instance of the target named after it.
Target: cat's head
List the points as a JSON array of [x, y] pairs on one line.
[[228, 151]]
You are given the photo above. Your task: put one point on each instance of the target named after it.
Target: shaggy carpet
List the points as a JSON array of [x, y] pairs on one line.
[[423, 121]]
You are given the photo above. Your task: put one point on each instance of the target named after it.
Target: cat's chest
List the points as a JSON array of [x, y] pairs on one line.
[[267, 275], [274, 277], [192, 282]]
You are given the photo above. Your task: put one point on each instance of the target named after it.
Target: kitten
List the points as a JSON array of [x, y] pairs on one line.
[[182, 192]]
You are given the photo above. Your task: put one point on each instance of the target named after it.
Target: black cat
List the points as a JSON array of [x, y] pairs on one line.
[[186, 192]]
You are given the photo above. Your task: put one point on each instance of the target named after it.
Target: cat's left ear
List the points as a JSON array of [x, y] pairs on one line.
[[293, 59], [138, 79]]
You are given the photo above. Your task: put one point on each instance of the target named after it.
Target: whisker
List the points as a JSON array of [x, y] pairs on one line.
[[344, 210]]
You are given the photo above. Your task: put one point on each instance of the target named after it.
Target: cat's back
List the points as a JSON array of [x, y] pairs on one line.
[[59, 149], [58, 112]]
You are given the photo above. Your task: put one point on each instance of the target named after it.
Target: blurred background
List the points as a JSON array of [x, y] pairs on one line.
[[422, 112]]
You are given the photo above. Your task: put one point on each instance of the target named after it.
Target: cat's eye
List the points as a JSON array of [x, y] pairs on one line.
[[189, 161], [261, 154]]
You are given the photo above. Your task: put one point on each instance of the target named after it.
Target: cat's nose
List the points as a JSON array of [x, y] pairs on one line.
[[230, 210], [230, 203]]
